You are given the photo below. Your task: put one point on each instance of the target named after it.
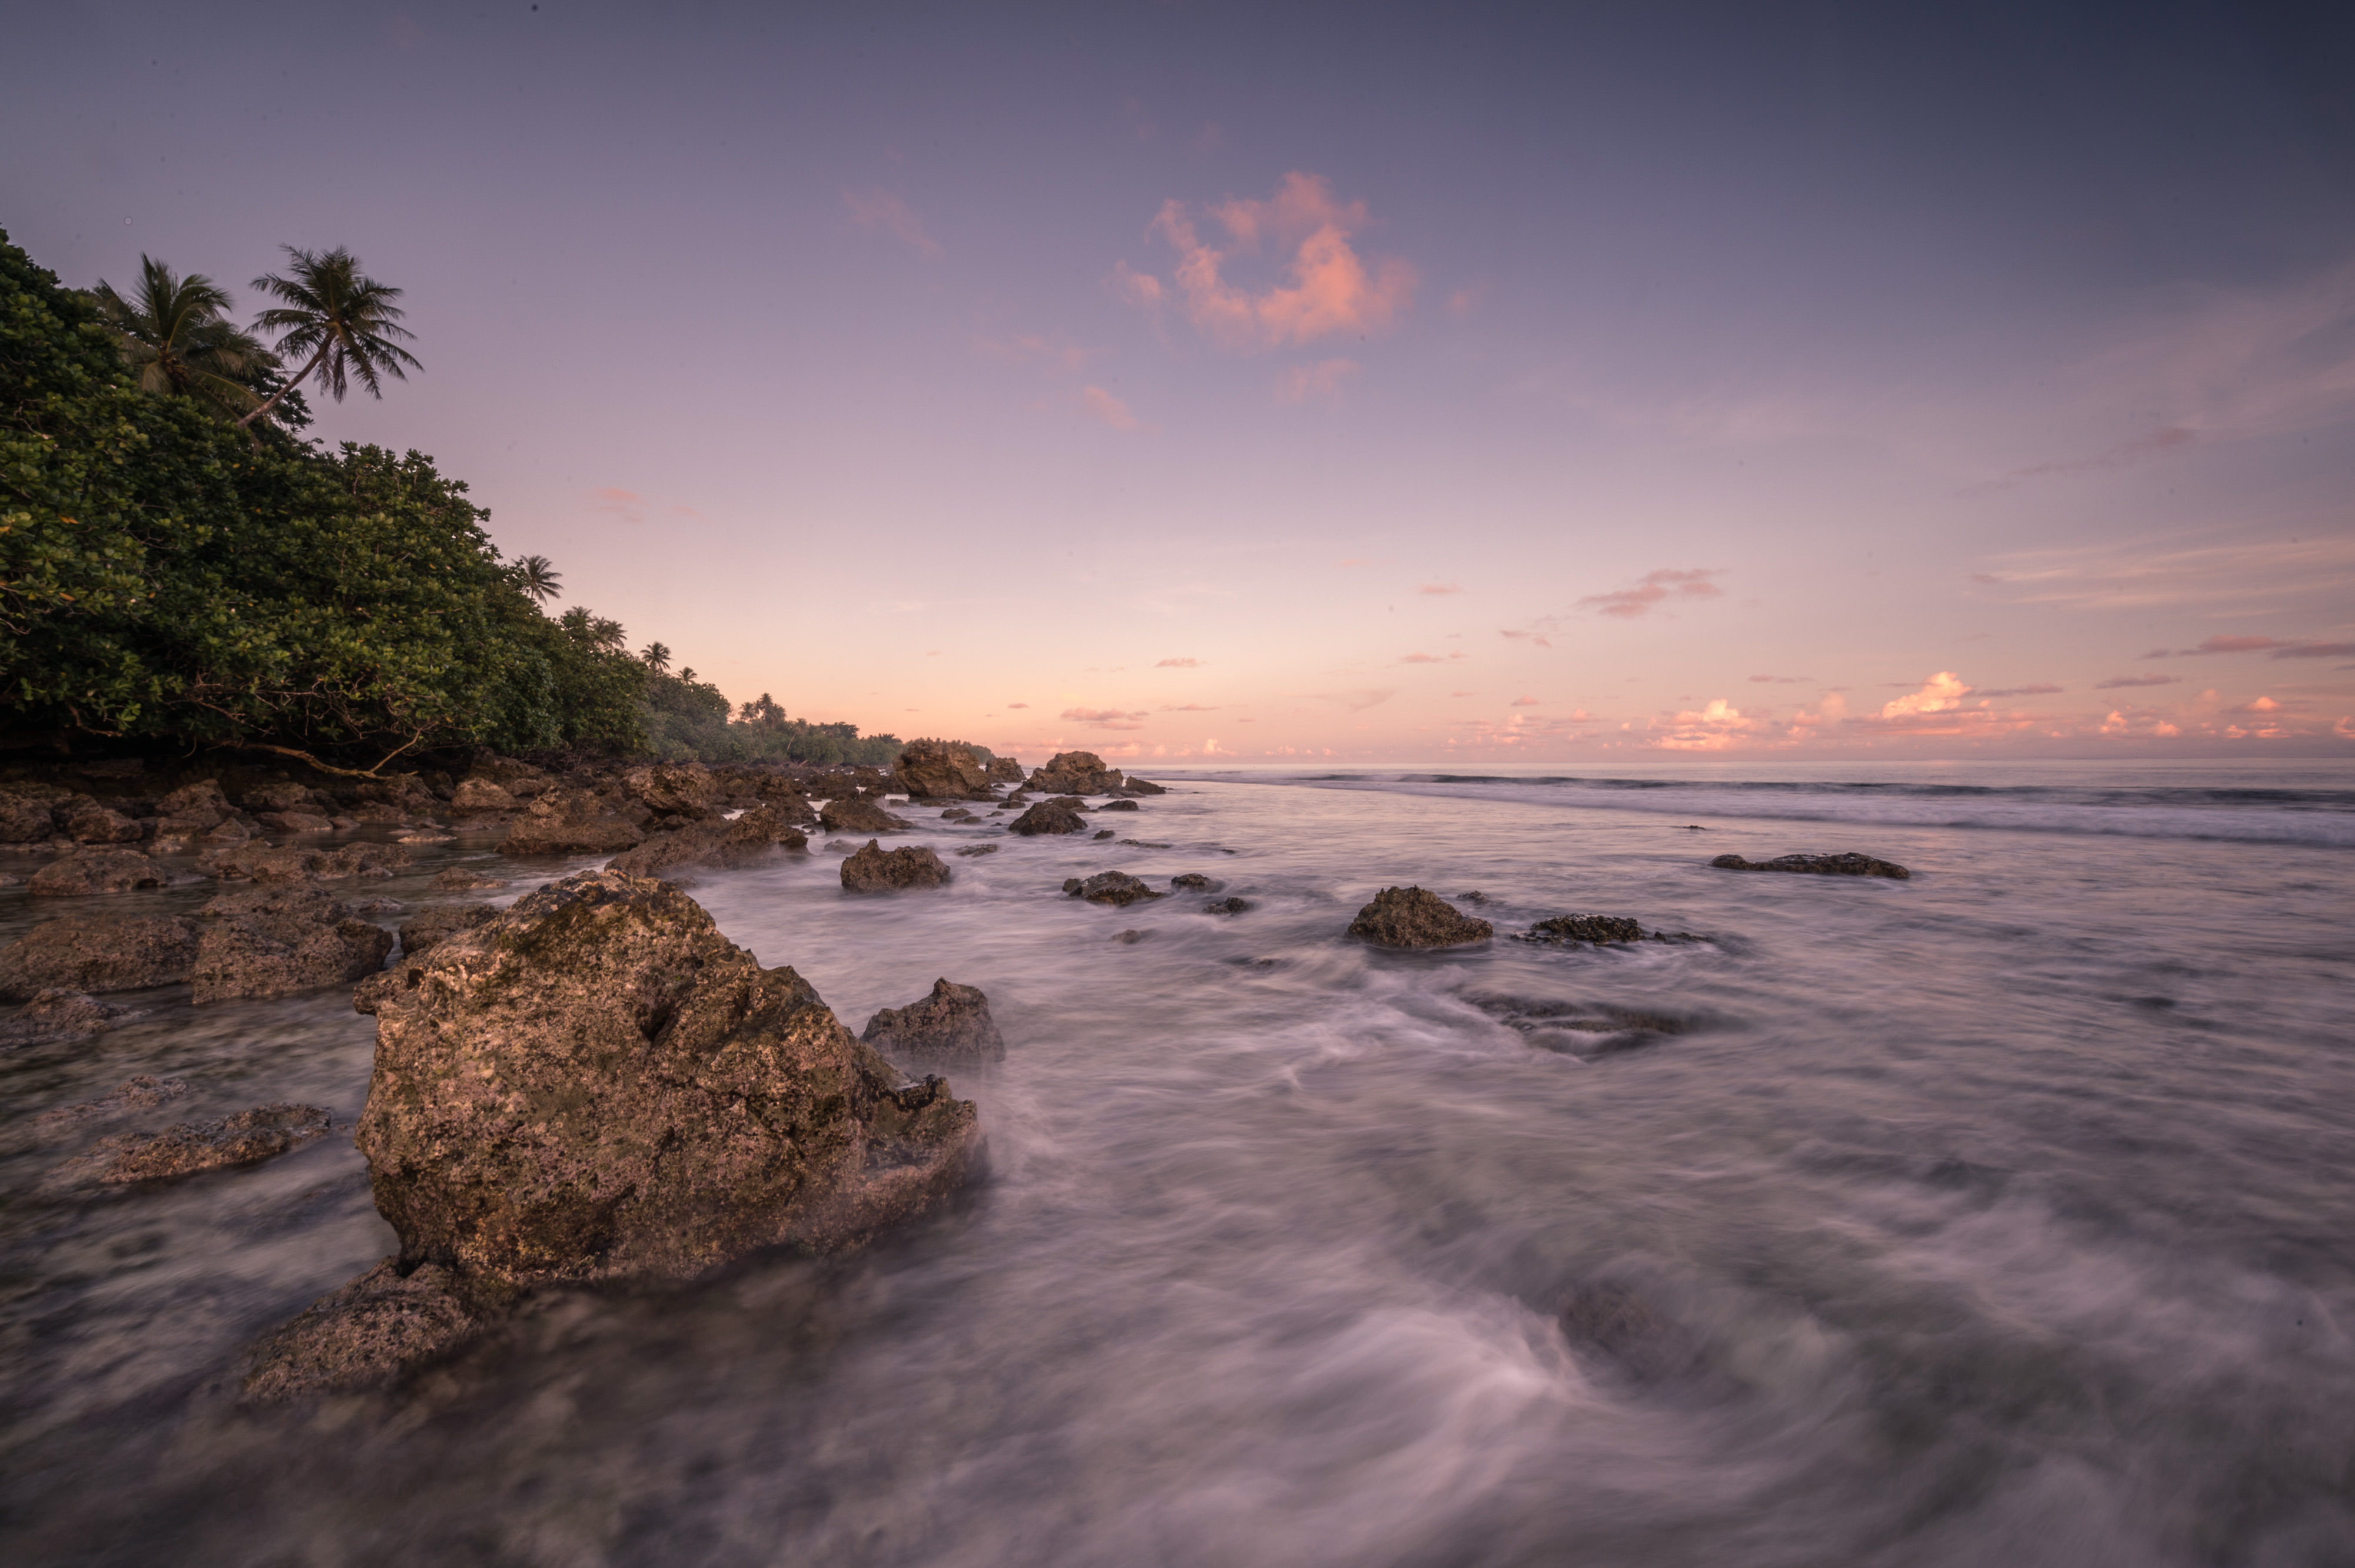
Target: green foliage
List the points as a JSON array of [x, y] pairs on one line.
[[175, 340], [687, 718]]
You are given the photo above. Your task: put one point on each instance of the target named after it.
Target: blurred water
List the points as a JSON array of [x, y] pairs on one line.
[[1999, 1217]]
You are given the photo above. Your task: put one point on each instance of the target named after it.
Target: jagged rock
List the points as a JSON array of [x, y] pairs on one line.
[[1595, 928], [1410, 917], [1076, 773], [204, 796], [24, 821], [87, 872], [571, 821], [953, 1021], [247, 1138], [673, 789], [1227, 906], [1120, 805], [94, 824], [1116, 888], [296, 822], [786, 801], [971, 849], [938, 770], [368, 1332], [1194, 881], [280, 796], [1003, 770], [59, 1015], [144, 1092], [465, 879], [876, 869], [856, 816], [293, 863], [441, 922], [280, 942], [1850, 864], [599, 1084], [732, 843], [476, 796], [97, 953], [1048, 816], [1135, 785]]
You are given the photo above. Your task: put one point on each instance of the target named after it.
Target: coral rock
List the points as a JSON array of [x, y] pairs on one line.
[[953, 1021], [98, 952], [1410, 917], [875, 870]]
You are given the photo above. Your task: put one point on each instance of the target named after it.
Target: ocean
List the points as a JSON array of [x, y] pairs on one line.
[[2003, 1216]]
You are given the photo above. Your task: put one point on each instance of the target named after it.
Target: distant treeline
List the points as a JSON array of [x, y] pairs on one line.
[[170, 576]]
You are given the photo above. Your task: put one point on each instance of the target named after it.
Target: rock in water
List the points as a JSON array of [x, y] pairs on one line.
[[246, 1138], [1076, 773], [1122, 805], [368, 1332], [1048, 816], [739, 842], [442, 923], [673, 789], [599, 1086], [1135, 785], [59, 1015], [1116, 888], [854, 815], [876, 869], [88, 871], [953, 1021], [1194, 881], [569, 821], [1595, 928], [1850, 864], [1004, 770], [1228, 906], [938, 770], [280, 942], [465, 879], [97, 953], [1410, 917], [261, 863]]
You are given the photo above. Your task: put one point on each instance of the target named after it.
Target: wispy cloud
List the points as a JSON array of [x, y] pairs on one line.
[[1177, 664], [1321, 380], [1781, 679], [1192, 707], [2293, 648], [1106, 409], [2020, 692], [881, 209], [1524, 702], [623, 506], [1332, 289], [2169, 439], [1526, 638], [1104, 718], [2117, 682], [1439, 588], [1628, 604]]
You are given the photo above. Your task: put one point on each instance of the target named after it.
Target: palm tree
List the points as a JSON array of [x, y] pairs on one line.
[[174, 339], [593, 630], [538, 576], [343, 321], [657, 657]]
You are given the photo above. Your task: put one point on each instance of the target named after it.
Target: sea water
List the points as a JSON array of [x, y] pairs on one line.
[[2005, 1215]]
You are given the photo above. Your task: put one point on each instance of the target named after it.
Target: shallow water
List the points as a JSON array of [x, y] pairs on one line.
[[2003, 1216]]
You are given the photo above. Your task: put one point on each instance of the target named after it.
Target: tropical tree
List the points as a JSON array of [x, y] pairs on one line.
[[345, 321], [175, 339], [538, 576], [593, 631], [657, 658]]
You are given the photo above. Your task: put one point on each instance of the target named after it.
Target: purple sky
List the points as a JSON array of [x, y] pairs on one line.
[[1178, 381]]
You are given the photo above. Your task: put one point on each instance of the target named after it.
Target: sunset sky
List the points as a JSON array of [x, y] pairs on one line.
[[1386, 383]]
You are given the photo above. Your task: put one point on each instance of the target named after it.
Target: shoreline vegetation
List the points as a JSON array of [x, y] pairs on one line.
[[183, 575]]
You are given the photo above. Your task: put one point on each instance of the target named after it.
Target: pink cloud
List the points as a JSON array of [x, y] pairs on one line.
[[1627, 603], [1322, 381], [881, 209], [1439, 588], [1331, 288], [1941, 693], [1781, 679], [1423, 658], [1194, 708], [1104, 718], [1463, 694], [1177, 664], [2118, 456], [1526, 638], [613, 502], [1018, 705], [1099, 404], [2029, 690], [2115, 681], [1524, 702]]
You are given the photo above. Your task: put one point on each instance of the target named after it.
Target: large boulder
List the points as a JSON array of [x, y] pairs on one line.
[[875, 870], [91, 822], [282, 795], [1003, 770], [281, 942], [1410, 917], [1117, 889], [571, 821], [938, 770], [202, 798], [599, 1086], [1048, 816], [98, 952], [751, 837], [852, 815], [477, 796], [24, 820], [1076, 773], [1850, 864], [673, 789], [90, 871], [442, 923], [1135, 785], [953, 1022]]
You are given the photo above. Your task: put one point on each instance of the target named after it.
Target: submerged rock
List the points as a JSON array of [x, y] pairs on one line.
[[1116, 888], [937, 770], [599, 1086], [853, 814], [1411, 917], [259, 863], [1194, 882], [1120, 805], [1850, 864], [953, 1021], [60, 1014], [1611, 1318], [1595, 928], [442, 923], [1135, 785], [1227, 906], [971, 849], [98, 952], [247, 1138], [1048, 816], [875, 870], [143, 1092], [87, 872], [466, 879], [374, 1329], [1076, 773], [281, 942]]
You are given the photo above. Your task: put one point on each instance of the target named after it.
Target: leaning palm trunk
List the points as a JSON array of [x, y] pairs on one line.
[[293, 381]]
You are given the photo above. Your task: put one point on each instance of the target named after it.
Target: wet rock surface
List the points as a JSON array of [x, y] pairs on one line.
[[88, 872], [98, 952], [281, 942], [571, 821], [1850, 864], [936, 770], [294, 863], [1121, 805], [1227, 906], [875, 870], [60, 1014], [143, 1092], [1076, 773], [1048, 816], [1581, 1028], [247, 1138], [673, 789], [466, 879], [953, 1021], [739, 842], [1003, 770], [366, 1333], [1117, 889], [1592, 928], [1194, 882], [1411, 917], [856, 816], [442, 923]]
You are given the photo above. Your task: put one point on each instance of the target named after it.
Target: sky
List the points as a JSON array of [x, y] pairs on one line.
[[1590, 383]]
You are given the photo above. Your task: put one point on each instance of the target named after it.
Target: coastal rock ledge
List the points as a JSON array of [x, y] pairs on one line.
[[598, 1086], [1850, 864]]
